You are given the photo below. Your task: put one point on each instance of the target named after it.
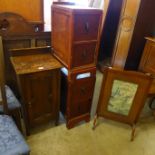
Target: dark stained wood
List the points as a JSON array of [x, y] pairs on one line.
[[73, 28], [40, 93], [2, 78], [78, 98], [39, 82]]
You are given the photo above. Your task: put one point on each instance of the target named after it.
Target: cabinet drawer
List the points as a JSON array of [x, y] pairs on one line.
[[83, 89], [86, 27], [85, 106], [80, 108], [83, 54]]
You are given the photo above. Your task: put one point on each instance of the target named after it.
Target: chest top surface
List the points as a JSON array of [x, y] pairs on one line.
[[34, 63], [76, 8]]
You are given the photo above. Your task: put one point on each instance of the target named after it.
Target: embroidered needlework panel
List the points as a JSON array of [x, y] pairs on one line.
[[122, 96]]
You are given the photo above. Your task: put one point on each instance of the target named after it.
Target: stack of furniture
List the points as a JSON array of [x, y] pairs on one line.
[[75, 36]]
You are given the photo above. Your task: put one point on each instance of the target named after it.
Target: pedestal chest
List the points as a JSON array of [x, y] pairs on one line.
[[77, 94], [75, 35]]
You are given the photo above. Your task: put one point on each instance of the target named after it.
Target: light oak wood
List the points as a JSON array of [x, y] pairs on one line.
[[125, 31], [30, 10]]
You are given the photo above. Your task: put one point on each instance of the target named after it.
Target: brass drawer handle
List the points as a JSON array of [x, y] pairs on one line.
[[86, 27]]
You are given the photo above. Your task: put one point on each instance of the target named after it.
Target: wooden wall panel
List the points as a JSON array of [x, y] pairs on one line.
[[32, 10]]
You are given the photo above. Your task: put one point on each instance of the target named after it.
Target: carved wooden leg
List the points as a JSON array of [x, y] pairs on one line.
[[94, 123], [133, 132]]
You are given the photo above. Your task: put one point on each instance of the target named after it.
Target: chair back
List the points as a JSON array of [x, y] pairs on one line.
[[3, 100]]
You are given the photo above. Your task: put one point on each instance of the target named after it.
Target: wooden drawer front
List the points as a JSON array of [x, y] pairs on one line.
[[82, 92], [74, 109], [83, 54], [83, 89], [79, 108], [86, 26], [85, 107]]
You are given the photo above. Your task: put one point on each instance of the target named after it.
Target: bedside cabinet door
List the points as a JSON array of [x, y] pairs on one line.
[[41, 97]]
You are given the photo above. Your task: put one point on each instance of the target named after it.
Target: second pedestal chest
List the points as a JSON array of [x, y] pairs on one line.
[[75, 35]]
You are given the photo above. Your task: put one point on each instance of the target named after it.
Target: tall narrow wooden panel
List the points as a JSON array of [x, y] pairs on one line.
[[126, 27]]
